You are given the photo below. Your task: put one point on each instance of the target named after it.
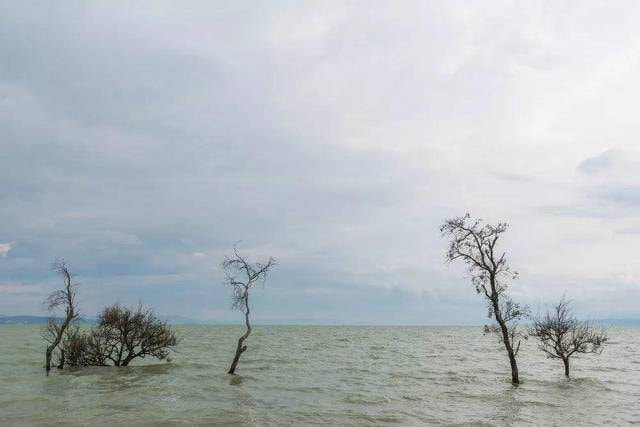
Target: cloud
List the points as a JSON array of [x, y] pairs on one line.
[[624, 196], [142, 142], [18, 289], [612, 185], [602, 162]]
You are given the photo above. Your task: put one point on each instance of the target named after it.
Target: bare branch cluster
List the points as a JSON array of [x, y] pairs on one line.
[[242, 275], [85, 348], [562, 335], [122, 335], [66, 295], [475, 244]]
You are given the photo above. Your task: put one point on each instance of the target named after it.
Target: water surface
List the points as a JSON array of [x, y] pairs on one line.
[[301, 375]]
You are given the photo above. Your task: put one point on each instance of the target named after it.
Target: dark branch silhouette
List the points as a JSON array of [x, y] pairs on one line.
[[475, 244], [242, 275], [121, 336], [562, 335], [56, 328]]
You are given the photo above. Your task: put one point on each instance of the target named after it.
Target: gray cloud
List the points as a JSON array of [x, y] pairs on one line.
[[626, 196], [601, 163], [142, 142]]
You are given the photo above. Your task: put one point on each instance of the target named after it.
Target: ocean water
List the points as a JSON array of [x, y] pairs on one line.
[[325, 375]]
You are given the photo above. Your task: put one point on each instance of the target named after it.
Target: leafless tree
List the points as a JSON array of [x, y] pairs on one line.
[[562, 335], [242, 275], [65, 298], [475, 244], [121, 335]]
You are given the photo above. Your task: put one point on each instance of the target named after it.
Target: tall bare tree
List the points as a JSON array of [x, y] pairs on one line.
[[242, 275], [562, 335], [475, 244], [66, 297]]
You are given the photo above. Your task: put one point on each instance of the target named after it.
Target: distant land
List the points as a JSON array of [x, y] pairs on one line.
[[30, 320], [39, 320], [182, 320]]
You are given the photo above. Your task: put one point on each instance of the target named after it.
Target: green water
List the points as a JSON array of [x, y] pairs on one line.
[[302, 375]]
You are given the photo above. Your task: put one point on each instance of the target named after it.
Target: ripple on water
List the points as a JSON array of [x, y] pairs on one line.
[[324, 375]]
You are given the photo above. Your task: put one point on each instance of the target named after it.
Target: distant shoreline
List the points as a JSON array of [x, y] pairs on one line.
[[40, 320]]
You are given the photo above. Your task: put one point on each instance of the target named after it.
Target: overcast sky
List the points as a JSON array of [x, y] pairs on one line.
[[140, 141]]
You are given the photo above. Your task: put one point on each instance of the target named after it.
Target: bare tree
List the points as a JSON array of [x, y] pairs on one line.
[[475, 244], [562, 335], [122, 335], [242, 275], [55, 330]]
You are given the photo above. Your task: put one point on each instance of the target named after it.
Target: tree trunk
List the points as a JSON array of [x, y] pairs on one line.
[[61, 362], [566, 367], [515, 379], [48, 358], [128, 359], [53, 346], [241, 348], [57, 339]]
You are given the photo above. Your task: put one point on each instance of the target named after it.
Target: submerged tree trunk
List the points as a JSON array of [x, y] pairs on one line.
[[508, 345], [515, 379], [566, 366], [49, 353], [56, 341], [506, 339], [61, 361], [241, 348]]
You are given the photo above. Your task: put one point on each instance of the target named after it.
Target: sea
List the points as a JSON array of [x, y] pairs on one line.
[[325, 375]]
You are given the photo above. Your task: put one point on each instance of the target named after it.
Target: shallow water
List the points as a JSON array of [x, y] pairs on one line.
[[300, 375]]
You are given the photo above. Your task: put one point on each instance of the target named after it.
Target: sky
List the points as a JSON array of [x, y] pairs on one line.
[[140, 141]]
